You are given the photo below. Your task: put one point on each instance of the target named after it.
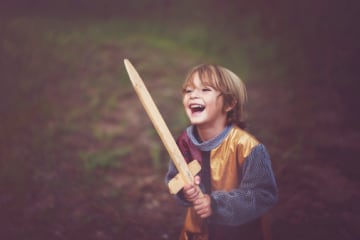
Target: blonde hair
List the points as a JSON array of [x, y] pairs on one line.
[[231, 87]]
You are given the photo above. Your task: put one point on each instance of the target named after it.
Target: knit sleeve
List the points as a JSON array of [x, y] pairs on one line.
[[172, 171], [256, 193]]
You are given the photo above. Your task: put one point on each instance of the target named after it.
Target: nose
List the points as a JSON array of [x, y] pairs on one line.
[[194, 94]]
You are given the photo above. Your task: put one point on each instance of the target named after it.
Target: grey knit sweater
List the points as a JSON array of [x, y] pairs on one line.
[[256, 192]]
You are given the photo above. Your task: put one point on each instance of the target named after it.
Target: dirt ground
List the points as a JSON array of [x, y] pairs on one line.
[[313, 149], [309, 128]]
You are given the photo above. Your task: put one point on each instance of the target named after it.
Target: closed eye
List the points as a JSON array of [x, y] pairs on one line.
[[187, 90]]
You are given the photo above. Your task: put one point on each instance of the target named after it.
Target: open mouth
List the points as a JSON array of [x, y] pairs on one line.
[[196, 108]]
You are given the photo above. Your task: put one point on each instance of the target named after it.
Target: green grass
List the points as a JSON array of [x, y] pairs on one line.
[[108, 158], [80, 52], [156, 157], [201, 41]]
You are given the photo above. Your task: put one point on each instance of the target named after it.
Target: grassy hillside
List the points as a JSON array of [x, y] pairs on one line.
[[79, 157]]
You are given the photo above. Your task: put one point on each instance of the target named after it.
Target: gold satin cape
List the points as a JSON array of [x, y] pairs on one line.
[[226, 161]]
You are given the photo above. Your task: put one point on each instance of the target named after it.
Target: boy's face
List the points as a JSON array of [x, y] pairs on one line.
[[204, 105]]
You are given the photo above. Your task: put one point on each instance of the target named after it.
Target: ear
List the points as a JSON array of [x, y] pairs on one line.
[[231, 106]]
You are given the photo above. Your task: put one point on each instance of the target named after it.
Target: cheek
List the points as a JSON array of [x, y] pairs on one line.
[[220, 103], [184, 101]]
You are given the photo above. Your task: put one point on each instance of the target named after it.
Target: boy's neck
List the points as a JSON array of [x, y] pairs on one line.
[[207, 133]]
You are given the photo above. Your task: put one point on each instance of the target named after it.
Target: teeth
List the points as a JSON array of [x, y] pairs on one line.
[[196, 106]]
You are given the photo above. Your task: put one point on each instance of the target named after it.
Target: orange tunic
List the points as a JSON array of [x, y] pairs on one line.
[[228, 170]]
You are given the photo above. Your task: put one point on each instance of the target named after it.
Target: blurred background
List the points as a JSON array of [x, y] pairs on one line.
[[79, 158]]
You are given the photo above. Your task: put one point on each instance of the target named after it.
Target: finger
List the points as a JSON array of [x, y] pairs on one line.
[[199, 204], [188, 186], [200, 209], [190, 189], [197, 180], [191, 195], [193, 192], [205, 215], [203, 212], [192, 198], [202, 200], [202, 206]]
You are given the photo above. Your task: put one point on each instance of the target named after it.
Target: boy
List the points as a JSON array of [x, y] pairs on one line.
[[236, 176]]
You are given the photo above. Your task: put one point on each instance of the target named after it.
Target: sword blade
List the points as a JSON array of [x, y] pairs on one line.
[[159, 123]]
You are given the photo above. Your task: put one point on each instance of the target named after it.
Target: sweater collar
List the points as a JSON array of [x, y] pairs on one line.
[[209, 144]]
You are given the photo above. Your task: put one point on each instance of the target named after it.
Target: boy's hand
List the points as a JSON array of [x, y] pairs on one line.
[[191, 192], [202, 204]]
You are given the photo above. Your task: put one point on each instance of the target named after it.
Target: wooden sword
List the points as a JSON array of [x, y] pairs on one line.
[[186, 171]]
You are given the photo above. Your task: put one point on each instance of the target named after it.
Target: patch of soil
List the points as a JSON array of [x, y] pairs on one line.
[[311, 144]]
